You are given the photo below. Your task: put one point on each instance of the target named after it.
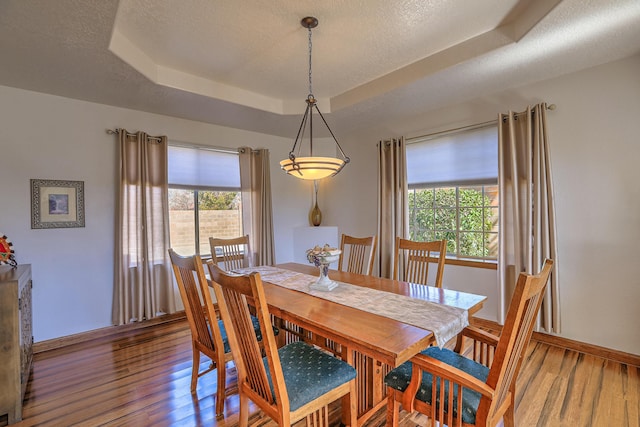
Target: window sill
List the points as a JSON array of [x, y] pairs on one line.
[[489, 265]]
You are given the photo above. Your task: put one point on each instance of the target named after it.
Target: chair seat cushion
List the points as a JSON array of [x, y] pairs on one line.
[[309, 373], [256, 327], [400, 377]]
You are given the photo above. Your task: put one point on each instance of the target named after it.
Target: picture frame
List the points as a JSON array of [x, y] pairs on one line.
[[57, 203]]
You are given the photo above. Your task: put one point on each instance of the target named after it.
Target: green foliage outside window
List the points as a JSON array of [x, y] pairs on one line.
[[218, 200], [207, 200], [465, 216]]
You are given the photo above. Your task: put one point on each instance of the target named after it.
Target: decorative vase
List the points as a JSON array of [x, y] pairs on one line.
[[324, 283], [315, 216]]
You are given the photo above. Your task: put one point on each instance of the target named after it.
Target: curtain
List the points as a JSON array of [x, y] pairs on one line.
[[528, 226], [143, 285], [393, 214], [257, 214]]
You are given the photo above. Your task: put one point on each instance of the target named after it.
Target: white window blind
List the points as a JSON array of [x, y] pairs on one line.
[[453, 158], [205, 168]]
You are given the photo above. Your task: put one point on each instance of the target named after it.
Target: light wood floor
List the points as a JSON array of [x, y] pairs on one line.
[[141, 378]]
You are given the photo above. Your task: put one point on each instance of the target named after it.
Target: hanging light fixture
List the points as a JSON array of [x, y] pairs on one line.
[[312, 167]]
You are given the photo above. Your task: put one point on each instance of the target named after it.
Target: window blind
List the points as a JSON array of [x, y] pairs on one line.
[[205, 168], [454, 158]]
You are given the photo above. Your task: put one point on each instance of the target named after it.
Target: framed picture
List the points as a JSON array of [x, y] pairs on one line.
[[57, 204]]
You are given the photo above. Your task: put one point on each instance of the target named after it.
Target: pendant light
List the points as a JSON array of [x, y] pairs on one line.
[[312, 167]]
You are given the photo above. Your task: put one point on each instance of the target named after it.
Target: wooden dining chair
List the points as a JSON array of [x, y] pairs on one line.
[[488, 393], [361, 253], [208, 335], [412, 259], [290, 383], [231, 254], [206, 331]]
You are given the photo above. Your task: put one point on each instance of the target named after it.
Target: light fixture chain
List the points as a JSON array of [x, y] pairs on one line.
[[310, 46]]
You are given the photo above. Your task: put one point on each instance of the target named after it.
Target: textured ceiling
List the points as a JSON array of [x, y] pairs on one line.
[[244, 63], [261, 46]]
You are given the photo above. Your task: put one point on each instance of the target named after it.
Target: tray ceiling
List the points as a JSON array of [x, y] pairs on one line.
[[244, 64]]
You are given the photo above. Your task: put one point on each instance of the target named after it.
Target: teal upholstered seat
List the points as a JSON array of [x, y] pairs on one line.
[[309, 373], [400, 377], [256, 327]]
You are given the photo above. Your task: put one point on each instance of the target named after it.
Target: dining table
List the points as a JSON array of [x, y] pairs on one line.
[[371, 342]]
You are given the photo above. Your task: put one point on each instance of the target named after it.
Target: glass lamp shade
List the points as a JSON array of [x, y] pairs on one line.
[[312, 168]]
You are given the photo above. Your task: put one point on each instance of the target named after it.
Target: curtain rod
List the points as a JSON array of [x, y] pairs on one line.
[[184, 144], [464, 128], [548, 107], [118, 130]]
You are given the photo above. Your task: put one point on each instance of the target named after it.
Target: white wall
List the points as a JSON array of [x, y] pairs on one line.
[[595, 156], [50, 137]]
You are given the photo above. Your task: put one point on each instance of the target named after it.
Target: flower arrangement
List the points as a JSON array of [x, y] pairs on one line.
[[317, 255], [7, 254]]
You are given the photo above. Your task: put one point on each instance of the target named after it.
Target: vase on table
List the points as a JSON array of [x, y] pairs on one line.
[[322, 260]]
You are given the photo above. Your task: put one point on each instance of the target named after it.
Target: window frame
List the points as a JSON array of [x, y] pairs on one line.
[[196, 214], [438, 233]]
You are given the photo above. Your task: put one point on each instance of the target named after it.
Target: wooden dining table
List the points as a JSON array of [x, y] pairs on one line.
[[372, 343]]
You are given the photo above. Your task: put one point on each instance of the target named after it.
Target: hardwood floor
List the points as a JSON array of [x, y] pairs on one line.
[[141, 378]]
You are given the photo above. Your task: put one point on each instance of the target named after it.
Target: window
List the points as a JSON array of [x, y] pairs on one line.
[[467, 216], [204, 197], [453, 191]]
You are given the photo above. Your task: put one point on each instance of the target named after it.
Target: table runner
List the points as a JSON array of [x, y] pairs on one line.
[[444, 321]]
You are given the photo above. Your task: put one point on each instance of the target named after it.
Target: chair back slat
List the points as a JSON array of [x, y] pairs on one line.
[[515, 336], [231, 254], [232, 293], [188, 270], [356, 259], [359, 253], [412, 260]]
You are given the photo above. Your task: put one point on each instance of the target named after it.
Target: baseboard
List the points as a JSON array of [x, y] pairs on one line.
[[46, 345], [581, 347]]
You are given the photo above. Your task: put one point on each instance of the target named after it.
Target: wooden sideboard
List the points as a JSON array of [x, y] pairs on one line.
[[16, 338]]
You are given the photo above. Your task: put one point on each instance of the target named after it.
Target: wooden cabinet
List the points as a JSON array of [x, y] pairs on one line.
[[16, 338]]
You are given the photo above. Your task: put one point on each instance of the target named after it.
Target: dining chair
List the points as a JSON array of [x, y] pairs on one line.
[[488, 389], [361, 253], [231, 254], [288, 384], [208, 335], [412, 259]]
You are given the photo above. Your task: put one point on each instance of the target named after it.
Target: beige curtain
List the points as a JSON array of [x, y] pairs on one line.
[[528, 227], [143, 285], [257, 214], [393, 214]]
